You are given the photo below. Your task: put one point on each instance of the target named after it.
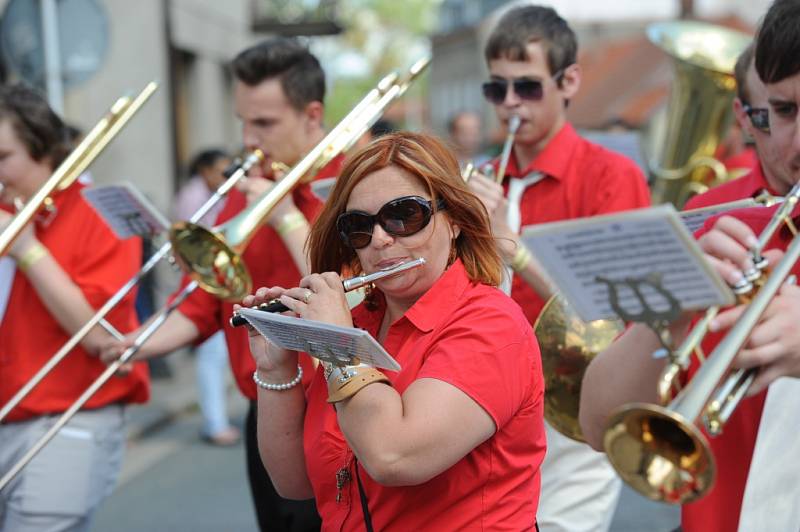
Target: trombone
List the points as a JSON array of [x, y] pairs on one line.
[[219, 261], [76, 162], [99, 317], [660, 451]]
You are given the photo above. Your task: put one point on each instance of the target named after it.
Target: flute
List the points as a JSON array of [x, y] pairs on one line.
[[353, 283]]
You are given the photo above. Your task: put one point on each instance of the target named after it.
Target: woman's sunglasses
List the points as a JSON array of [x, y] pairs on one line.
[[400, 217], [527, 89]]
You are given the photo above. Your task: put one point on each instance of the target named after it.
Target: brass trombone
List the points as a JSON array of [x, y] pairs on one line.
[[76, 162], [212, 257], [218, 260], [659, 450], [99, 317]]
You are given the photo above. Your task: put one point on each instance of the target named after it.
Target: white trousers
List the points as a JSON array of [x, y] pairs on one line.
[[60, 489], [580, 489]]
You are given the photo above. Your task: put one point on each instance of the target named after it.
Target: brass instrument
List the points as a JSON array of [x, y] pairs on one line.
[[212, 257], [698, 112], [76, 162], [99, 317], [217, 254], [513, 125], [659, 450], [568, 344], [469, 169]]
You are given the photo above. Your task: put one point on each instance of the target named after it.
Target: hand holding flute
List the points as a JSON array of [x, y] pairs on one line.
[[280, 300]]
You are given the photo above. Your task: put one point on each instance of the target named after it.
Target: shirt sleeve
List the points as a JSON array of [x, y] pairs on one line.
[[492, 357], [202, 309], [621, 187]]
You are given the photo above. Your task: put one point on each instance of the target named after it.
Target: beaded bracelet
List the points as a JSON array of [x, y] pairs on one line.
[[279, 387], [31, 256], [290, 222], [521, 259]]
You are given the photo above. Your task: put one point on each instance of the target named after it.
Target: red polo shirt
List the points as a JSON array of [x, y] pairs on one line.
[[747, 186], [99, 264], [269, 264], [473, 337], [581, 179], [719, 510]]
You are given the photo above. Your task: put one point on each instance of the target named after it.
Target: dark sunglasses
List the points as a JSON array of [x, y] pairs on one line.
[[399, 217], [527, 89], [759, 117]]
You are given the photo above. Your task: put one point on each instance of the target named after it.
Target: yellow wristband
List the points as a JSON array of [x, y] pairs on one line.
[[521, 259], [31, 256], [290, 222]]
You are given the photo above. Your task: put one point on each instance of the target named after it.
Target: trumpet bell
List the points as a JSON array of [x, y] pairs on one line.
[[659, 453], [210, 261], [567, 345]]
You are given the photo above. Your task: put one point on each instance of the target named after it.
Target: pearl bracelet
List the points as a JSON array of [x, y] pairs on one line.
[[279, 387]]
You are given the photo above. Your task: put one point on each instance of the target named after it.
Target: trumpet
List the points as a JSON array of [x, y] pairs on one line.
[[221, 280], [659, 450], [76, 163]]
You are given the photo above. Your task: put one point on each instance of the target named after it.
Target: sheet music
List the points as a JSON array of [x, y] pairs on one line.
[[126, 211], [696, 218], [650, 246], [331, 343]]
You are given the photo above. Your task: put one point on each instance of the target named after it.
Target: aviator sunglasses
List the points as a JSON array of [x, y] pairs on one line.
[[527, 89], [759, 117], [400, 217]]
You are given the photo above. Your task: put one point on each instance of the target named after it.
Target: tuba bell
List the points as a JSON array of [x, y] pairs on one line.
[[682, 143]]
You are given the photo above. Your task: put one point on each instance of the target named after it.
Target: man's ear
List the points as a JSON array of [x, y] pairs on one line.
[[571, 81], [315, 114]]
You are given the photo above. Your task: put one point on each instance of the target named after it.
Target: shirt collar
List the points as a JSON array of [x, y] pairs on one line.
[[755, 182], [430, 309], [554, 159]]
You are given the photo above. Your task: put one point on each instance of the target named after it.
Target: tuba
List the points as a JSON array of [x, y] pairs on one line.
[[698, 113]]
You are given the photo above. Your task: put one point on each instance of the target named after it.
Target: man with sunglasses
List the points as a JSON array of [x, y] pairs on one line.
[[751, 109], [278, 95], [553, 174], [755, 485]]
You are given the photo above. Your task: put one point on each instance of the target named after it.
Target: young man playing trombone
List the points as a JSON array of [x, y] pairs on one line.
[[278, 96], [759, 444], [551, 174]]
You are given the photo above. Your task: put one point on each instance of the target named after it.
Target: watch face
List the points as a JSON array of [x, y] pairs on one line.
[[79, 34]]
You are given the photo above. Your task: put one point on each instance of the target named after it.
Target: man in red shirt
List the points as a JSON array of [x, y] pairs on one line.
[[278, 96], [552, 174], [751, 109], [755, 488]]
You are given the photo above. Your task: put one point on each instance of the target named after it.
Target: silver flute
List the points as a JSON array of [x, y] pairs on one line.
[[353, 283]]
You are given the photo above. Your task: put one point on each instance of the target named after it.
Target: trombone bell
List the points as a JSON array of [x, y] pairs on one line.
[[659, 453], [218, 269]]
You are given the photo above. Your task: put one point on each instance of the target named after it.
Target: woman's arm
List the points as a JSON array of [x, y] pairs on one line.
[[281, 413], [409, 439]]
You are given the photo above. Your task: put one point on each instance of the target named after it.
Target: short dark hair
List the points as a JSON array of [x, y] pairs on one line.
[[39, 128], [778, 42], [206, 159], [285, 58], [743, 63], [526, 24]]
